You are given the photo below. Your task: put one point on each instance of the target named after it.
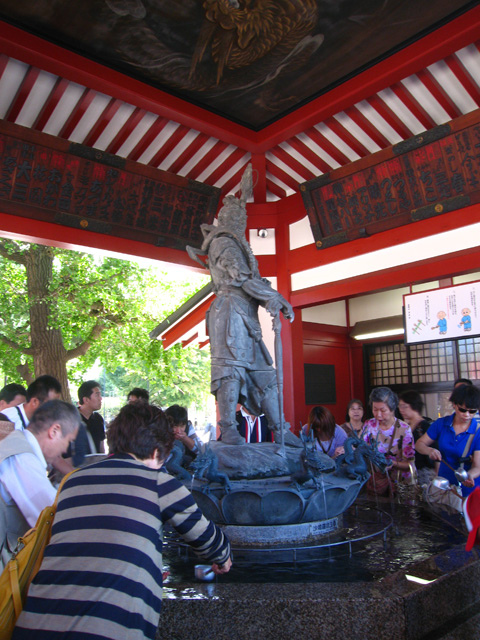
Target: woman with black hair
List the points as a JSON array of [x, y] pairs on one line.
[[458, 439], [101, 576], [353, 425], [411, 406]]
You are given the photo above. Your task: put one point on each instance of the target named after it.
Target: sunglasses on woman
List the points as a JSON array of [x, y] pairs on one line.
[[471, 411]]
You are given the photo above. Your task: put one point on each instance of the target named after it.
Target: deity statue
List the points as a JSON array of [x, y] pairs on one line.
[[241, 366]]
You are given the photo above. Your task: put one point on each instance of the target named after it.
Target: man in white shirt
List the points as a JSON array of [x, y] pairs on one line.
[[12, 395], [42, 389], [25, 489]]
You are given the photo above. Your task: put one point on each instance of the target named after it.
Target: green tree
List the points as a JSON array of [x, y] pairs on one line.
[[61, 311]]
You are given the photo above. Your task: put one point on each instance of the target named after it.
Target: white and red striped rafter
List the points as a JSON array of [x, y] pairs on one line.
[[440, 91]]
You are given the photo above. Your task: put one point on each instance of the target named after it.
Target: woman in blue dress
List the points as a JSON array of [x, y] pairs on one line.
[[452, 434]]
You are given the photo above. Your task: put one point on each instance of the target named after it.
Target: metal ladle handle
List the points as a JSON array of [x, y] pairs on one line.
[[460, 475]]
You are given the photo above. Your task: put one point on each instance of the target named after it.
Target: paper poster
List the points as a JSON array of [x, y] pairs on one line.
[[442, 314]]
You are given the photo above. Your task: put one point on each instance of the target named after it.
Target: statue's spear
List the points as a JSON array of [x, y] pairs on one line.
[[277, 328]]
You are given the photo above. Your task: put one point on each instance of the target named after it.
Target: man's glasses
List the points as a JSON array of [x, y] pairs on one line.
[[471, 411]]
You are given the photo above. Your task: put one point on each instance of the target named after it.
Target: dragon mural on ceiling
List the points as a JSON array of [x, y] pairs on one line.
[[249, 60]]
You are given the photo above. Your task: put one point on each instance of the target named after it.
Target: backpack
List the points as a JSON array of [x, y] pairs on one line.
[[23, 567]]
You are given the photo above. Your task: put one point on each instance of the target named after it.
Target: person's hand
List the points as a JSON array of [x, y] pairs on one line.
[[434, 454], [180, 434], [469, 482], [338, 452], [222, 568]]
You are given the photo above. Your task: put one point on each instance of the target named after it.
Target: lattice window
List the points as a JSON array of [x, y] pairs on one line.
[[432, 362], [388, 365], [469, 358]]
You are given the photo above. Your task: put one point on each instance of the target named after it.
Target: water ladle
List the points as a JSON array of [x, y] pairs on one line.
[[441, 483], [460, 474]]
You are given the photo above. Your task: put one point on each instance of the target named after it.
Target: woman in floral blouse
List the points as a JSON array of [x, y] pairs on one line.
[[393, 436]]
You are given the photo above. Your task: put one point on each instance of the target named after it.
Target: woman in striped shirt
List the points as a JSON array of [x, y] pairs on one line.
[[101, 576]]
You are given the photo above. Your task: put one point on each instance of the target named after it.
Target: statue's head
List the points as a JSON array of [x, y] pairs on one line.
[[233, 215]]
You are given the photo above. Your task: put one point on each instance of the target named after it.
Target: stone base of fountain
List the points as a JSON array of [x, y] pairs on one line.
[[382, 606], [268, 489], [288, 534]]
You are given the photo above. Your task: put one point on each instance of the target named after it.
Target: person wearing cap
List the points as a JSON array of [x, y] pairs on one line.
[[458, 439]]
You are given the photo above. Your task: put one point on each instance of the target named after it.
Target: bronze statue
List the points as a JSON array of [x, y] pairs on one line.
[[242, 369]]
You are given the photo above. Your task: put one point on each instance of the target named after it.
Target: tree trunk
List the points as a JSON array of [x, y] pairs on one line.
[[49, 354]]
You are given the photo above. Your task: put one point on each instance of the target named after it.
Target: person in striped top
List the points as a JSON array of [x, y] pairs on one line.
[[101, 576]]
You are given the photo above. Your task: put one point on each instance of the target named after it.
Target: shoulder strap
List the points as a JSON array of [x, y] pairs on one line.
[[469, 442], [24, 426], [60, 486]]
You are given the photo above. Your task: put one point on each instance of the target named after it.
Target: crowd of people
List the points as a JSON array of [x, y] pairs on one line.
[[417, 449], [102, 570]]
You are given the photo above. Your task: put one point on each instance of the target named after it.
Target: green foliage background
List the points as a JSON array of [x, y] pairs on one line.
[[128, 301]]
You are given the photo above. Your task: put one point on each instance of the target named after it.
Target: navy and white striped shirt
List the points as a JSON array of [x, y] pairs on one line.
[[101, 576]]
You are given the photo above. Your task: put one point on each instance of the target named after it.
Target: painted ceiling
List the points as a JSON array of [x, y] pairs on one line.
[[201, 88]]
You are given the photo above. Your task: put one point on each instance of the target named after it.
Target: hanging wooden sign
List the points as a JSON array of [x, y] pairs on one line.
[[430, 174], [44, 178]]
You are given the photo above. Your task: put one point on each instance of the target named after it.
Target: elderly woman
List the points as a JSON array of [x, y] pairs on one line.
[[353, 426], [458, 437], [101, 576], [329, 437], [393, 436]]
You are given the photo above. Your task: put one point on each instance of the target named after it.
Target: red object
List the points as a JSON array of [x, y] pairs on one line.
[[471, 511]]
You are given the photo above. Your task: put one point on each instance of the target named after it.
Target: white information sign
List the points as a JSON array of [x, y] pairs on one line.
[[442, 314]]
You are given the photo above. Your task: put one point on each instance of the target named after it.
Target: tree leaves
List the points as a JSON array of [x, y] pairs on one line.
[[104, 309]]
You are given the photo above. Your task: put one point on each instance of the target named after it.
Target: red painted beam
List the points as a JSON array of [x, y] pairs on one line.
[[168, 146], [324, 143], [309, 155], [61, 62], [292, 163], [309, 257], [105, 118], [439, 93], [130, 125], [390, 117], [148, 138], [22, 94], [464, 77], [413, 106], [226, 165], [350, 140], [30, 230], [187, 323], [189, 152], [207, 159], [416, 272], [282, 175], [435, 46], [189, 341], [77, 114], [368, 127], [234, 181], [275, 189], [50, 104], [3, 63], [443, 42]]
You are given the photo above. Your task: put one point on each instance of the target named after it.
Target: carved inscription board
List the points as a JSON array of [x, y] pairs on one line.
[[436, 172], [85, 188]]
